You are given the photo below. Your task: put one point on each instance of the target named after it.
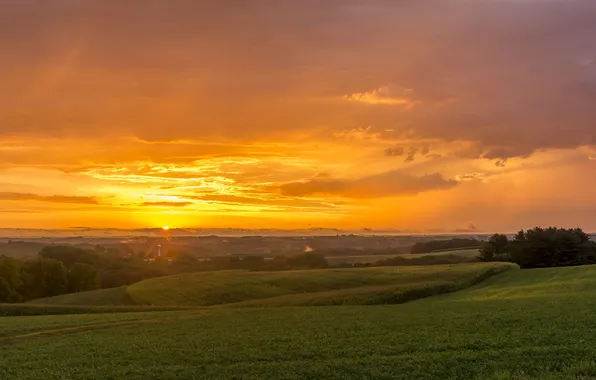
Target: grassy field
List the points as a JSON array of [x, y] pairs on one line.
[[225, 287], [521, 324], [104, 297], [469, 253], [334, 260], [419, 283], [354, 286], [549, 284], [326, 286], [27, 309]]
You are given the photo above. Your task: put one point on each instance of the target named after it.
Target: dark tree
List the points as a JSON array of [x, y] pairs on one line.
[[70, 255], [552, 247], [10, 280], [495, 249], [56, 279], [83, 277], [43, 278]]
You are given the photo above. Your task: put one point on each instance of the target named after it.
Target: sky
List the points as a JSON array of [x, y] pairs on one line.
[[388, 114]]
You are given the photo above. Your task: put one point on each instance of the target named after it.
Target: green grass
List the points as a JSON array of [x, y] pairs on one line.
[[354, 286], [17, 326], [334, 260], [357, 284], [104, 297], [468, 253], [521, 324], [27, 309], [403, 289], [549, 284]]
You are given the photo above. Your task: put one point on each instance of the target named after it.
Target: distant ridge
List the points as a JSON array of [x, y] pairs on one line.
[[115, 232]]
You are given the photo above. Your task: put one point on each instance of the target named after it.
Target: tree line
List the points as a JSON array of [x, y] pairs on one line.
[[66, 269], [541, 248]]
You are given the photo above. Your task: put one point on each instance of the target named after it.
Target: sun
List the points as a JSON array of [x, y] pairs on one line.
[[165, 228]]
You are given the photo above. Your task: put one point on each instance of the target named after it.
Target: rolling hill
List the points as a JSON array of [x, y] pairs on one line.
[[306, 287], [103, 297], [529, 324]]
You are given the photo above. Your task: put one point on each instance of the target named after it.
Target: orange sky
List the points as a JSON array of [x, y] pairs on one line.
[[292, 114]]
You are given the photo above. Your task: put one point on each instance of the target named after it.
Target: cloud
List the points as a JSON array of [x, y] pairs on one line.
[[423, 149], [394, 152], [360, 134], [380, 96], [229, 198], [411, 155], [525, 84], [166, 204], [391, 183], [418, 148], [479, 176], [8, 196], [501, 163], [239, 199]]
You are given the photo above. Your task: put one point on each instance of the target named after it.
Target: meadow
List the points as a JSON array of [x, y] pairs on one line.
[[103, 297], [296, 287], [468, 253], [519, 324]]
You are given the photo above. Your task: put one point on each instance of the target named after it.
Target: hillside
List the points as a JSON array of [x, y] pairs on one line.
[[103, 297], [547, 284], [216, 288], [522, 324], [470, 254], [306, 287]]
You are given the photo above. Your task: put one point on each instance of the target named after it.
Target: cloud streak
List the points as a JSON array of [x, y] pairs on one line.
[[380, 96], [166, 204], [392, 183], [8, 196]]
